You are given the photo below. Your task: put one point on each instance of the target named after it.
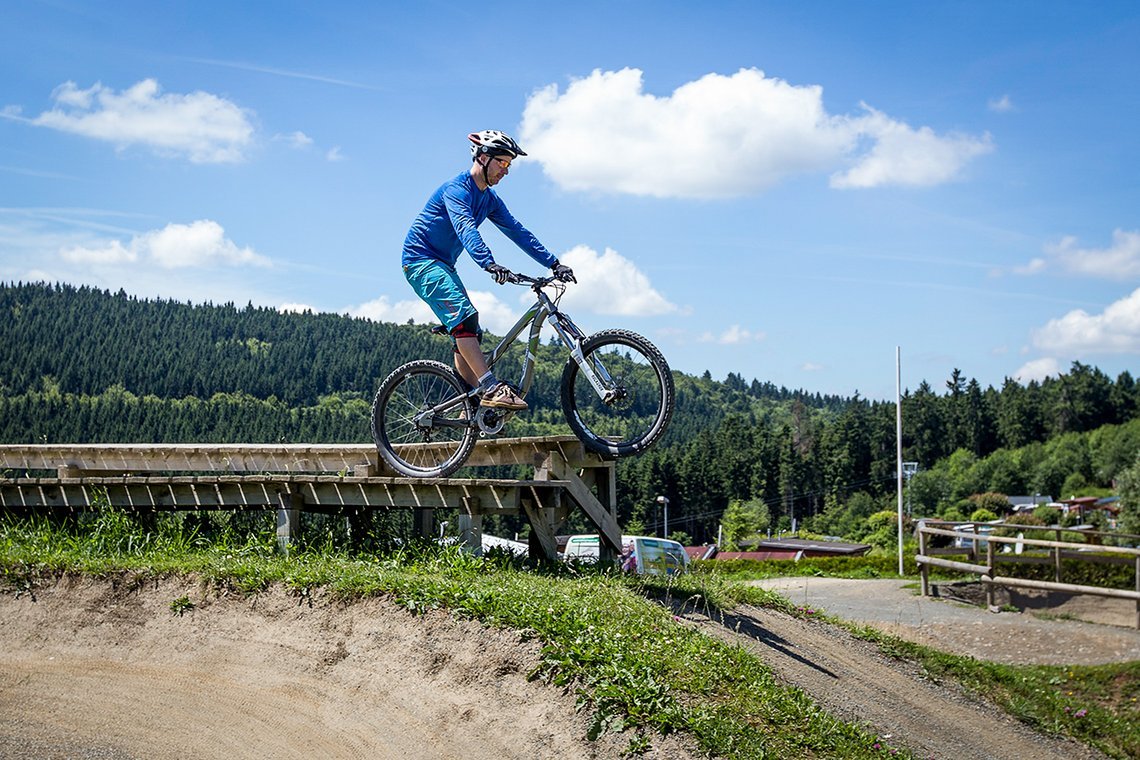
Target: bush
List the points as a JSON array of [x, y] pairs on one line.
[[998, 503], [953, 514], [982, 515], [1026, 518]]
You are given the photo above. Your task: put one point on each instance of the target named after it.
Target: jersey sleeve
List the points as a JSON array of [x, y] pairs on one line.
[[519, 235], [459, 211]]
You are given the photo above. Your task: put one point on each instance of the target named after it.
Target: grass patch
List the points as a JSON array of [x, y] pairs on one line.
[[633, 666]]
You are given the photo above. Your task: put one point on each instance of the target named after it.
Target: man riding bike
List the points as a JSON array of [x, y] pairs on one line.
[[449, 224]]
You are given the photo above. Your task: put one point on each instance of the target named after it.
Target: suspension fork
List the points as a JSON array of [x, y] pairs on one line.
[[595, 372]]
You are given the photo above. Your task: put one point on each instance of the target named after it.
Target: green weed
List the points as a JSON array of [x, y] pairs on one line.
[[181, 606]]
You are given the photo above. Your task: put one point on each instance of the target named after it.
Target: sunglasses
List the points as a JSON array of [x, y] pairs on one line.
[[503, 162]]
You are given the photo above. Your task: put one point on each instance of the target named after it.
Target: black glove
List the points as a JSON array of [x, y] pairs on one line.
[[563, 272], [500, 273]]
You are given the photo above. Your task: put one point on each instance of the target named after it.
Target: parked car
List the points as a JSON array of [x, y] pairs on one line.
[[644, 555]]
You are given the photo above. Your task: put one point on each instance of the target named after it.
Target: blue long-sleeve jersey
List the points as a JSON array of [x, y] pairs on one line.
[[450, 220]]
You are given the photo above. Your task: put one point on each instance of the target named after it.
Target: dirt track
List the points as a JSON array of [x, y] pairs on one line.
[[92, 671], [853, 681]]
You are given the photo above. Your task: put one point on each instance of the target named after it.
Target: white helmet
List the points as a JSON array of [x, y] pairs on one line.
[[495, 143]]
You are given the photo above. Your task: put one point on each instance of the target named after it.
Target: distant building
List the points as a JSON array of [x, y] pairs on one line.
[[1027, 503]]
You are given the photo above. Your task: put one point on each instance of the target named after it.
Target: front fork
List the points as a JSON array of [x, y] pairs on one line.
[[595, 372]]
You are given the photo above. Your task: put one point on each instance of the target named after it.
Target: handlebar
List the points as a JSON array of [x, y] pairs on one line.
[[518, 278]]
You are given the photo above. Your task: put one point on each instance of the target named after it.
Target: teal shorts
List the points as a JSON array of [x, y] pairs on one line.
[[441, 289]]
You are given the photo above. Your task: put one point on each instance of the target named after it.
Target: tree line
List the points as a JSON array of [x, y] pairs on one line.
[[79, 364]]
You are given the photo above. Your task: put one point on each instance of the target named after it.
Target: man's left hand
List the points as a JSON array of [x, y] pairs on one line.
[[563, 272]]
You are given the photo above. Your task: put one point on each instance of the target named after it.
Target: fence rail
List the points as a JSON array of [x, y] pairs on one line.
[[988, 575]]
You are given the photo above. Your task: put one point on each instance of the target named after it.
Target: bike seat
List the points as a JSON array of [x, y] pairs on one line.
[[439, 330]]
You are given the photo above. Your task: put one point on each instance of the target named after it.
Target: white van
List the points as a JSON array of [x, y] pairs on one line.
[[645, 555]]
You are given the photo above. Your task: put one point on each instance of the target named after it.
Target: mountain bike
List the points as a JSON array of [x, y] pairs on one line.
[[617, 394]]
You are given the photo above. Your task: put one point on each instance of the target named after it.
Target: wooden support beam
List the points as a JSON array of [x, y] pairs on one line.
[[423, 523], [603, 517], [289, 509], [543, 538], [471, 533]]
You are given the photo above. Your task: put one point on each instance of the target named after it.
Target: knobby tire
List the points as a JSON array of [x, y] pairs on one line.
[[640, 414], [426, 450]]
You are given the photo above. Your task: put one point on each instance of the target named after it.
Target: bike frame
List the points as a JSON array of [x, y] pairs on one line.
[[543, 309]]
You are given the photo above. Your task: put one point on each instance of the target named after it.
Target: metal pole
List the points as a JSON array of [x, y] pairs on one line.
[[898, 446]]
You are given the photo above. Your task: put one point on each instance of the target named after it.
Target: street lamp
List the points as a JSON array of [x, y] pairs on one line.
[[664, 501]]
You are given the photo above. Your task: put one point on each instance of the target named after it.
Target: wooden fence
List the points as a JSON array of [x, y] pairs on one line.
[[345, 479], [1055, 552]]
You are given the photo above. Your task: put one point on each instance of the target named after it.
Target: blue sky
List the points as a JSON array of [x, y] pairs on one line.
[[787, 191]]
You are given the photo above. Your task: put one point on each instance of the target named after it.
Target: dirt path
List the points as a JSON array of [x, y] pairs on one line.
[[91, 671], [853, 681]]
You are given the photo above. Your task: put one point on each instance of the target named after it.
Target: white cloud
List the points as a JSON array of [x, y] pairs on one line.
[[296, 140], [732, 336], [334, 154], [113, 252], [611, 284], [200, 244], [1033, 267], [811, 367], [1116, 331], [295, 308], [905, 156], [1038, 370], [383, 310], [722, 136], [1001, 105], [1120, 261], [494, 315], [203, 127]]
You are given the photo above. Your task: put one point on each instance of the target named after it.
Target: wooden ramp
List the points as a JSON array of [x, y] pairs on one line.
[[343, 479]]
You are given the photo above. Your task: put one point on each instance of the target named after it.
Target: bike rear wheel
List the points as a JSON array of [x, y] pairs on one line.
[[413, 440], [639, 390]]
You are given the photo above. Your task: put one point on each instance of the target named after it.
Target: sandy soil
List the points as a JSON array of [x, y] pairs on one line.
[[94, 670]]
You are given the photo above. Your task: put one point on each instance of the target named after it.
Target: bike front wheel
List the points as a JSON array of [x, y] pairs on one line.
[[422, 420], [633, 403]]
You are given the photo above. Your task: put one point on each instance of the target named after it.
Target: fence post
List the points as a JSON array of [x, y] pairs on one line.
[[1138, 591], [990, 572], [1057, 558], [922, 567]]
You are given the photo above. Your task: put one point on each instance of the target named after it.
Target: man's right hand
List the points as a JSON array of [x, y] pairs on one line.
[[500, 273]]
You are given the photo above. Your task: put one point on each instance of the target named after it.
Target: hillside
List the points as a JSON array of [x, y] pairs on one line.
[[79, 364]]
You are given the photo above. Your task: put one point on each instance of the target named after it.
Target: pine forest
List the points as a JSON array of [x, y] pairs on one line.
[[83, 365]]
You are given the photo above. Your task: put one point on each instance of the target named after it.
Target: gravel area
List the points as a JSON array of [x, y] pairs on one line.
[[1070, 631]]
